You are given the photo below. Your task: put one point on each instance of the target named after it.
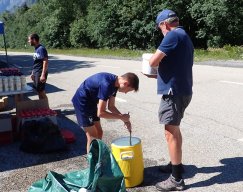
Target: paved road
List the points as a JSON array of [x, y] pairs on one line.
[[212, 127]]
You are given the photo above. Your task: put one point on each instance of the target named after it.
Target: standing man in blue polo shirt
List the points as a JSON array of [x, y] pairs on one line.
[[174, 58], [39, 73], [95, 99]]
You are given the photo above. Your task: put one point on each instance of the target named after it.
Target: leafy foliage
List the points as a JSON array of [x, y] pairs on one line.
[[122, 23], [219, 22]]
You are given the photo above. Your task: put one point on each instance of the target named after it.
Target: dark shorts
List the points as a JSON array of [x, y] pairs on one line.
[[39, 86], [86, 114], [171, 109]]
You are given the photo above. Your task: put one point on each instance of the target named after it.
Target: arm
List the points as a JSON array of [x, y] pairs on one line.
[[156, 58], [150, 76], [44, 70], [101, 112], [112, 107], [32, 76], [154, 61]]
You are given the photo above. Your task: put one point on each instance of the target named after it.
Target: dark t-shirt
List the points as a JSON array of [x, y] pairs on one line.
[[39, 55], [98, 86], [175, 69]]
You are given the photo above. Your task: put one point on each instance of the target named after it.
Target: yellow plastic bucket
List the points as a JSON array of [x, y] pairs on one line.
[[130, 159]]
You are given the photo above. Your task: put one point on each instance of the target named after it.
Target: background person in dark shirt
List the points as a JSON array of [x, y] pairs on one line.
[[39, 73], [97, 94]]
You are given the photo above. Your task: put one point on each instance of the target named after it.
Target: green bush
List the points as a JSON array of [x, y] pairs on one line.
[[78, 34], [123, 23]]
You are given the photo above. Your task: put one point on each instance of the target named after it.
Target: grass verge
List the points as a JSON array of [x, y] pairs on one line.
[[225, 53]]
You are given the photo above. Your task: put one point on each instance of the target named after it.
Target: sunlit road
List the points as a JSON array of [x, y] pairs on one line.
[[212, 127]]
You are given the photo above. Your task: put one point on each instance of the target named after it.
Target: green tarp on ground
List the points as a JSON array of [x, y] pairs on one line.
[[103, 175]]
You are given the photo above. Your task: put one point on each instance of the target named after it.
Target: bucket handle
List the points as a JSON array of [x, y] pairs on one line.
[[127, 155]]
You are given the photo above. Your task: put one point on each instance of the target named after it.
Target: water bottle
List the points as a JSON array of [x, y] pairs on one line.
[[1, 84], [23, 82], [17, 83], [5, 84], [11, 83]]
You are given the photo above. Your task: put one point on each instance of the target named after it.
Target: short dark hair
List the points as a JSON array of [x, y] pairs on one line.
[[133, 80], [34, 36]]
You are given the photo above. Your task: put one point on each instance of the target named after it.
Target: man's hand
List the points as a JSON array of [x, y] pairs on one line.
[[32, 76], [125, 117], [150, 76], [42, 79], [128, 125]]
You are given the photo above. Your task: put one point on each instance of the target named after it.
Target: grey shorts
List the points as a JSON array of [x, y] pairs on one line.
[[171, 109]]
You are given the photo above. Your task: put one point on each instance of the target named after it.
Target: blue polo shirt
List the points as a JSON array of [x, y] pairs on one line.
[[39, 55], [175, 69], [98, 86]]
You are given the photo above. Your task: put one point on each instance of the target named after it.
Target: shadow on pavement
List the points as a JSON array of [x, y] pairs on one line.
[[48, 89], [3, 64], [152, 175], [12, 158], [230, 172], [25, 63]]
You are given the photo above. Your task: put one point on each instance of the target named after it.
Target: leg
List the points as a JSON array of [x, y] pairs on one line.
[[175, 159], [42, 94], [19, 97], [87, 120], [170, 114], [174, 141], [98, 129], [40, 86], [91, 133]]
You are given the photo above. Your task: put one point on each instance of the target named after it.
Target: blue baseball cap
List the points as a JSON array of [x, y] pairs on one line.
[[165, 14]]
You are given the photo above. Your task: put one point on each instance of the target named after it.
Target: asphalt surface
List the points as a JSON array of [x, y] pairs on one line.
[[212, 126]]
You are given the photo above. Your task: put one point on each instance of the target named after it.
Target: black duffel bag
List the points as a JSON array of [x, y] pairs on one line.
[[41, 136]]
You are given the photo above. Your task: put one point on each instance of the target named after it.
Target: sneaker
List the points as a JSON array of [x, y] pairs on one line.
[[170, 185], [168, 168]]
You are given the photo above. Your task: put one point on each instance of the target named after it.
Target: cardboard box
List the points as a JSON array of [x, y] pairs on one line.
[[3, 103], [5, 123], [30, 105]]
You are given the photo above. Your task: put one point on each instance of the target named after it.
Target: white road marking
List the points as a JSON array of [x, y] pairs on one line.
[[121, 100], [240, 139], [109, 66], [231, 82]]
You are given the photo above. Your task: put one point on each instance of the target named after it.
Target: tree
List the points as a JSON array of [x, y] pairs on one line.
[[219, 22], [78, 34], [120, 23], [123, 23]]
